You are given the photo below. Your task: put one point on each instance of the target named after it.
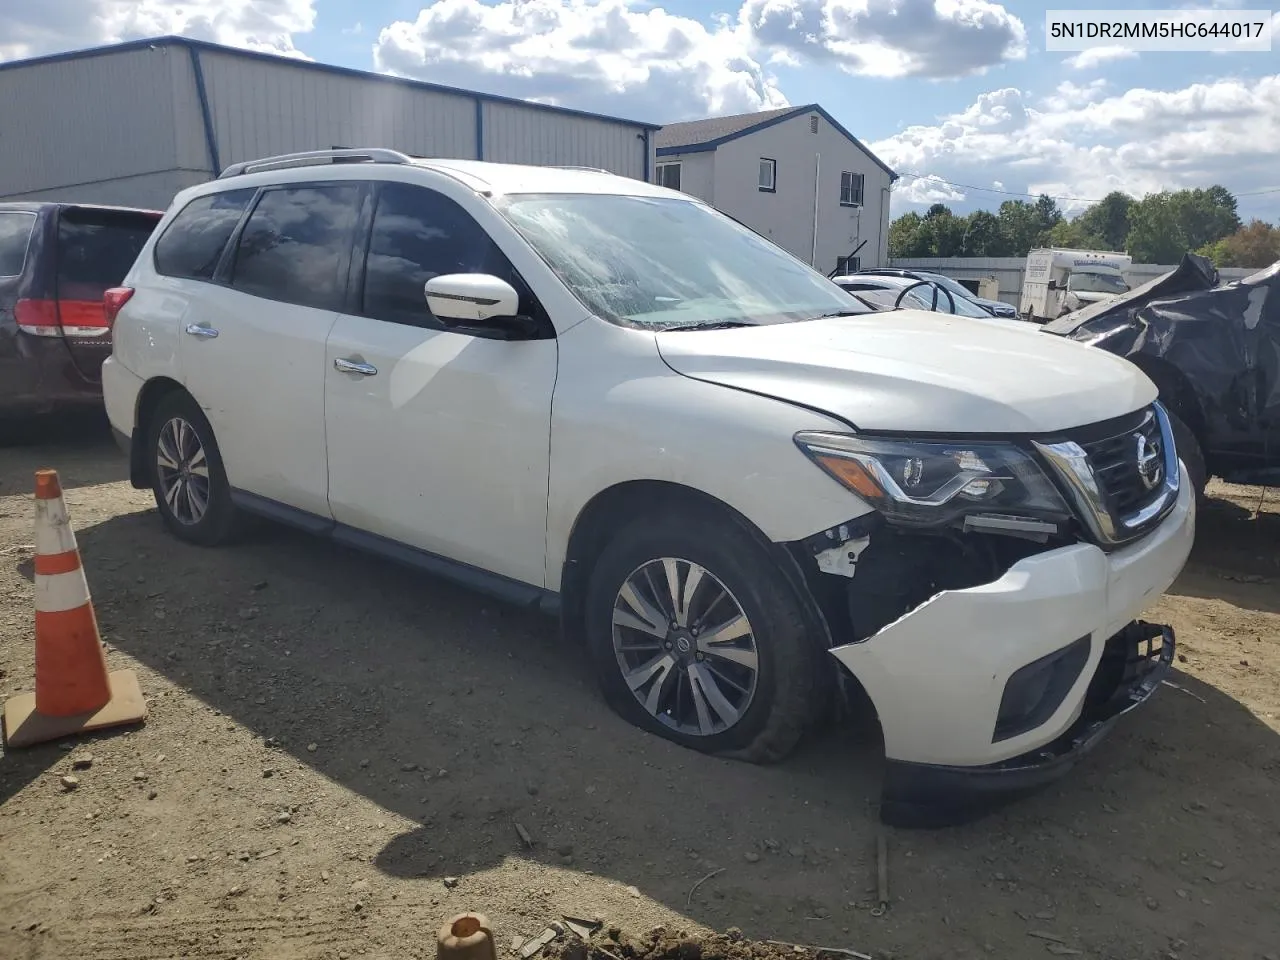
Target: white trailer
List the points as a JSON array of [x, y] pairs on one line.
[[1058, 281]]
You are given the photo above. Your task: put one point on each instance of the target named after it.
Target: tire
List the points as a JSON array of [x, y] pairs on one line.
[[784, 694], [219, 521], [1190, 454]]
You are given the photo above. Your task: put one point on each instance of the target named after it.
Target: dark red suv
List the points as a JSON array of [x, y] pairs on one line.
[[56, 262]]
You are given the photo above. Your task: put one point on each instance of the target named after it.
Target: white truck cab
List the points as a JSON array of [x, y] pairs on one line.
[[743, 492], [1058, 281]]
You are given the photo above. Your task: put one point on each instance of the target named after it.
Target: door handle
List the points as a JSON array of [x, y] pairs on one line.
[[355, 366], [199, 330]]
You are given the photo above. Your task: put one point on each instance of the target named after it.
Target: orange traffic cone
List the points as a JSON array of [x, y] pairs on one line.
[[74, 692]]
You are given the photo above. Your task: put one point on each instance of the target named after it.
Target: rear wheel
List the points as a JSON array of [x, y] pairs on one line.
[[187, 476], [696, 635]]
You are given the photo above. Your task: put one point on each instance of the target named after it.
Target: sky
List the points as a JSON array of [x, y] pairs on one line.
[[959, 96]]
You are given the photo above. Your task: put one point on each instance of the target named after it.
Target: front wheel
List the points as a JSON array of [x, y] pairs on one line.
[[1189, 452], [187, 476], [696, 635]]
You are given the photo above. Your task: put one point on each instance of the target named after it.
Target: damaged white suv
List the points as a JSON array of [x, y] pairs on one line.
[[741, 489]]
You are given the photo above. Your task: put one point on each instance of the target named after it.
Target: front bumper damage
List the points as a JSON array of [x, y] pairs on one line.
[[1133, 664], [985, 692]]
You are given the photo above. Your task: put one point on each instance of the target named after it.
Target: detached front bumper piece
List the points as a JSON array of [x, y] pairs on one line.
[[1133, 663]]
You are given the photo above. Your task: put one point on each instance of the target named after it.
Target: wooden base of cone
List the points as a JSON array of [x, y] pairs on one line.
[[23, 727]]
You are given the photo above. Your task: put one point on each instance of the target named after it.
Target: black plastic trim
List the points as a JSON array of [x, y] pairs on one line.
[[482, 581], [1064, 665]]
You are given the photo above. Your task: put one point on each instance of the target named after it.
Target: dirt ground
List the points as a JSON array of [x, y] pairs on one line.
[[338, 750]]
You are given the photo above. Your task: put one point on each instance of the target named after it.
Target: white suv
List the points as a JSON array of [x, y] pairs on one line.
[[740, 489]]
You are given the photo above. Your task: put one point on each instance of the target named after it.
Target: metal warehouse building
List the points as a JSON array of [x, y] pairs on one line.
[[135, 122]]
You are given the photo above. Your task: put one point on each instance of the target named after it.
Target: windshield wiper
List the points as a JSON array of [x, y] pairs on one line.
[[839, 313], [708, 325]]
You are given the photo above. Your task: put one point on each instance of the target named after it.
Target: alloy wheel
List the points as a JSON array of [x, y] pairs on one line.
[[183, 470], [685, 647]]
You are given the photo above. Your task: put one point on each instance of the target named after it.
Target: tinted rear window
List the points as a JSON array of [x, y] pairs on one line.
[[192, 244], [15, 234], [96, 250]]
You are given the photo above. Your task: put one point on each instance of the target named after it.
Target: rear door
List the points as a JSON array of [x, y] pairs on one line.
[[253, 341], [95, 249]]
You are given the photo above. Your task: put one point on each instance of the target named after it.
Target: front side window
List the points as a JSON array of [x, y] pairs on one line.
[[669, 175], [297, 243], [659, 262], [851, 185], [419, 234], [768, 175], [192, 244], [15, 235]]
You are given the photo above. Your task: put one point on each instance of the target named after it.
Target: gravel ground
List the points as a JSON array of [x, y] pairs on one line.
[[338, 751]]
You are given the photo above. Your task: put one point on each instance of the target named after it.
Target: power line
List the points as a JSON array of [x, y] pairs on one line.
[[1034, 196], [1006, 193]]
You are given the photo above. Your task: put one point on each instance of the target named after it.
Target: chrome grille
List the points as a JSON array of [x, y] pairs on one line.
[[1122, 476], [1115, 467]]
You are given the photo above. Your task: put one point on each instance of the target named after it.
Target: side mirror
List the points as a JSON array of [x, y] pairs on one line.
[[471, 297]]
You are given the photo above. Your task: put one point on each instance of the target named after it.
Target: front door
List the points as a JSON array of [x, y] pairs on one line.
[[437, 439]]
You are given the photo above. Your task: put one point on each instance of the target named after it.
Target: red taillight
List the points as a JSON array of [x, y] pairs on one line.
[[56, 318], [38, 317], [113, 300]]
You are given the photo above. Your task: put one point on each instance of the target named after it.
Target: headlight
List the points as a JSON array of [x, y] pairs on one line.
[[934, 483]]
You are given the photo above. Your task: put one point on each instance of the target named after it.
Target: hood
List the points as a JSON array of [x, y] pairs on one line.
[[1193, 272], [917, 371], [1088, 296], [999, 306]]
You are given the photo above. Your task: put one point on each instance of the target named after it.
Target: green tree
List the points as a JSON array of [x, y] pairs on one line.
[[1020, 226], [1108, 220], [1207, 215], [1254, 246], [947, 233], [1074, 235], [982, 237], [909, 236], [1048, 215], [1155, 235], [939, 233], [1164, 226]]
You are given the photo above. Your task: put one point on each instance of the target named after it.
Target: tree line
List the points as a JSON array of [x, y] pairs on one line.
[[1159, 228]]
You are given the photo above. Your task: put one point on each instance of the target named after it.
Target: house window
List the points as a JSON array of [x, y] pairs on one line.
[[669, 175], [847, 265], [851, 189], [813, 124], [768, 175]]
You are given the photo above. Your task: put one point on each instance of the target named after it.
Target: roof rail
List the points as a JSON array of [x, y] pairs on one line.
[[313, 157], [570, 166]]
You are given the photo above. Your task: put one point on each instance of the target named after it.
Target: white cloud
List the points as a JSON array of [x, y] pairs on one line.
[[603, 55], [31, 28], [926, 190], [1096, 56], [1082, 142], [625, 56], [890, 38], [1067, 94]]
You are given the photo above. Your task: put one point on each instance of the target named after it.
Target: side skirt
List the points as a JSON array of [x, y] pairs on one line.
[[482, 581]]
